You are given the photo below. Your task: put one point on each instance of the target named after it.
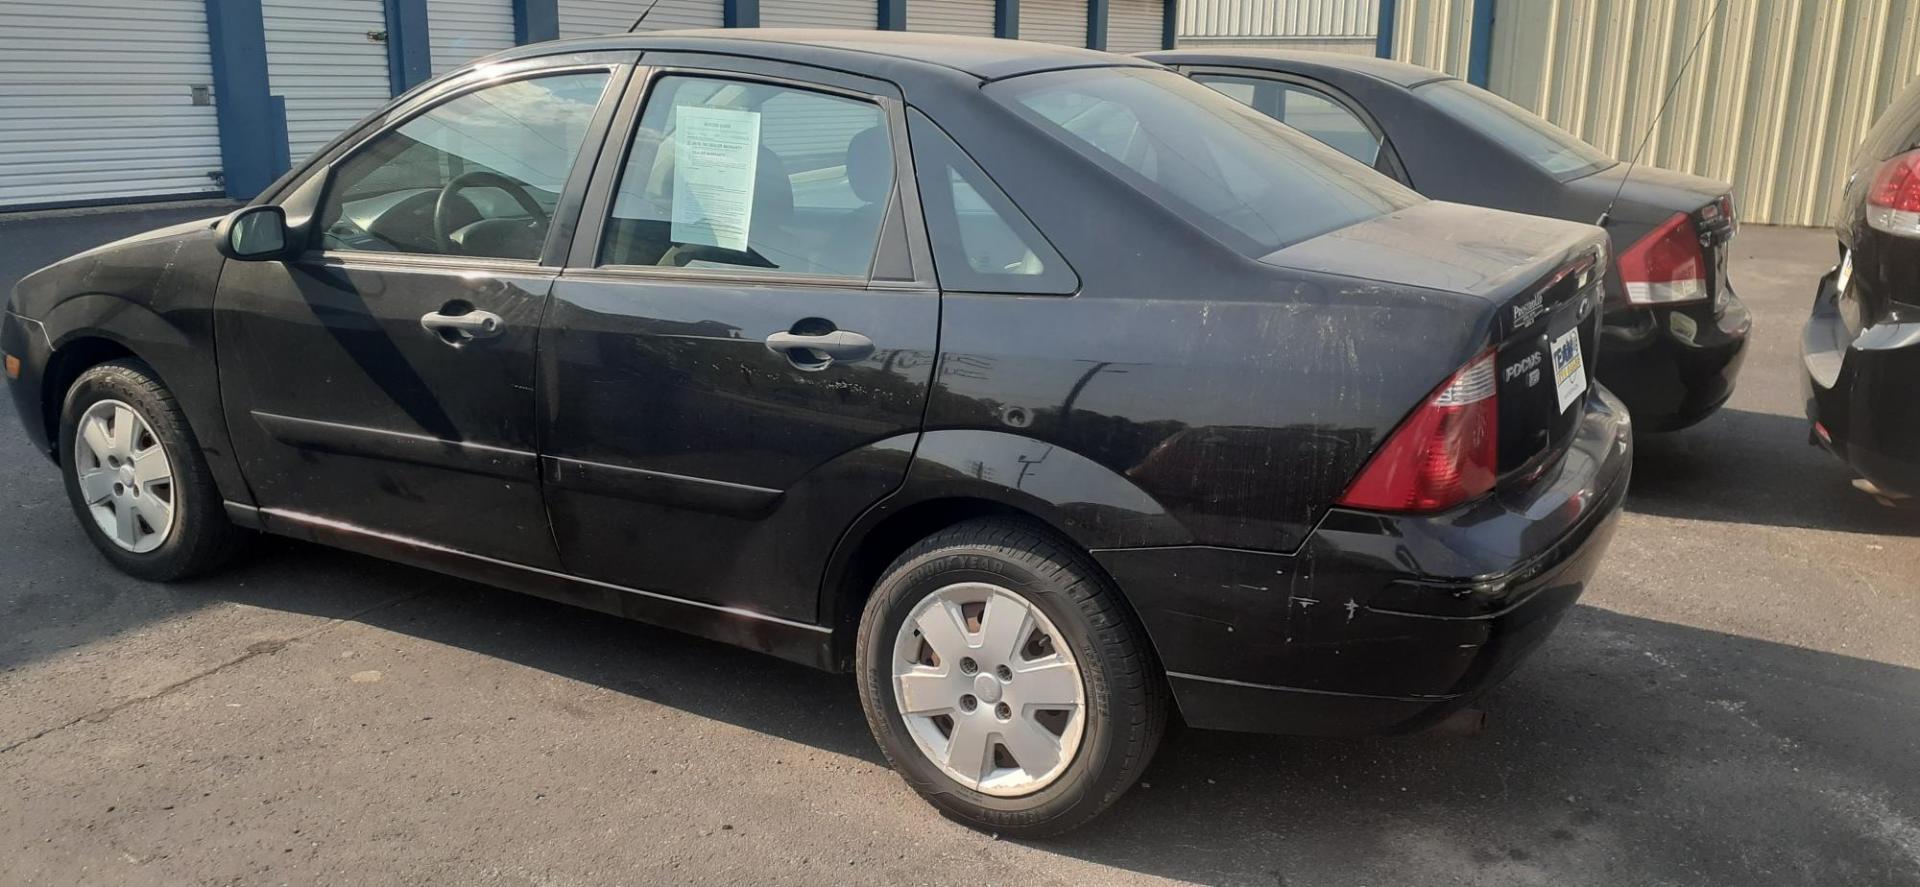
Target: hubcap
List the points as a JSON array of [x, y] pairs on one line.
[[1009, 722], [125, 476]]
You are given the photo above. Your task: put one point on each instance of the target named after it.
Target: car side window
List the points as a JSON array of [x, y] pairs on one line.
[[981, 241], [752, 177], [477, 175], [1303, 108], [1317, 114]]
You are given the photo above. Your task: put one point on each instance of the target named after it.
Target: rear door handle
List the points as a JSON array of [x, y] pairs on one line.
[[460, 328], [837, 345]]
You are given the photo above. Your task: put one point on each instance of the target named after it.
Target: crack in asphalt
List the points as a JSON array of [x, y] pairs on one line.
[[255, 649]]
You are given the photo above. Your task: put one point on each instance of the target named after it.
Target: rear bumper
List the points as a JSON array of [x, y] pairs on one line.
[[1381, 624], [27, 340], [1861, 392], [1673, 366]]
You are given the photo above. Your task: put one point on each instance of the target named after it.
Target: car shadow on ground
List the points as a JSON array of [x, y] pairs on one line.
[[1755, 468], [1632, 749]]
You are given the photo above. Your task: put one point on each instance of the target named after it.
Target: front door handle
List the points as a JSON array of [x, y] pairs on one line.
[[813, 352], [458, 329]]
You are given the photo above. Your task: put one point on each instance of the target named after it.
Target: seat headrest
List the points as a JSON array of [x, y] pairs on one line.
[[870, 164]]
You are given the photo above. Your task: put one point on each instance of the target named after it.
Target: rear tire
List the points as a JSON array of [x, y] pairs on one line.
[[136, 479], [973, 573]]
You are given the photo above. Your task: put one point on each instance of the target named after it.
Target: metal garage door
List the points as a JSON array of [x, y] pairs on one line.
[[973, 17], [586, 18], [459, 31], [322, 59], [1054, 21], [862, 14], [1134, 25], [98, 102]]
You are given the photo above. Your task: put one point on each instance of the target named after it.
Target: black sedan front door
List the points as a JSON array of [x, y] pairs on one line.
[[737, 356], [384, 382]]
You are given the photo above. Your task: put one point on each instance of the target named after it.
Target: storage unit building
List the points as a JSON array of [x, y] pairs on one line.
[[973, 18], [459, 31], [78, 131], [110, 101], [1320, 25]]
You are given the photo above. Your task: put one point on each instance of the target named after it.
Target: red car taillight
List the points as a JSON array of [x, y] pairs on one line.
[[1444, 454], [1666, 266], [1893, 200]]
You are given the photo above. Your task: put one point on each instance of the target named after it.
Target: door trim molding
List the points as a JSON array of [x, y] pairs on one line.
[[659, 487], [398, 446], [801, 642]]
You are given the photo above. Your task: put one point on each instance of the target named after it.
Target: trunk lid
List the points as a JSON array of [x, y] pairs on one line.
[[1538, 282], [1650, 197]]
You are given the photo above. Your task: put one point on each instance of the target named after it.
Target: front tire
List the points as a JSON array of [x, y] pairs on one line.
[[136, 478], [1006, 681]]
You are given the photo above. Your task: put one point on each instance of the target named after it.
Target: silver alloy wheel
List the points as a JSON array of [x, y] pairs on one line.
[[989, 689], [126, 478]]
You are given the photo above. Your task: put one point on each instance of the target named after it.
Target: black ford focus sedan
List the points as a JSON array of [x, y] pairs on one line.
[[1673, 329], [1046, 391], [1861, 346]]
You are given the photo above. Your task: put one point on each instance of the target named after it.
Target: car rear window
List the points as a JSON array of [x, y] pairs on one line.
[[1897, 129], [1558, 152], [1251, 182]]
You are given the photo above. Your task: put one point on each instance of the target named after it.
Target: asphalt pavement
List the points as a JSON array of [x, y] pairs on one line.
[[1736, 701]]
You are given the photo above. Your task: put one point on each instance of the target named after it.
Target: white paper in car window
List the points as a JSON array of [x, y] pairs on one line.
[[716, 154]]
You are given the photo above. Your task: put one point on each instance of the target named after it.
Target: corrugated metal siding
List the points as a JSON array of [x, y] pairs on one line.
[[1435, 33], [1279, 18], [1353, 45], [1052, 21], [1775, 101], [969, 17], [98, 103], [1135, 25], [459, 31], [320, 58], [589, 18], [862, 14]]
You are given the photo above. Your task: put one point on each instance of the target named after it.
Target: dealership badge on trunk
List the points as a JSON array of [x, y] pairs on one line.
[[1569, 371]]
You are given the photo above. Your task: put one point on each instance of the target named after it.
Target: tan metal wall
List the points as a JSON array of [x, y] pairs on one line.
[[1278, 18], [1776, 99], [1435, 33]]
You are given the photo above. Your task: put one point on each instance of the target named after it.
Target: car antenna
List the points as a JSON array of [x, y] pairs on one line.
[[643, 16], [1659, 112]]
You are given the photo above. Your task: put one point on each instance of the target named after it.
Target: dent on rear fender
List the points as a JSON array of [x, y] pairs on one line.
[[1094, 505]]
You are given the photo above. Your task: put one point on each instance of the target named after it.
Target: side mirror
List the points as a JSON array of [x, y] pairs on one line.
[[254, 234]]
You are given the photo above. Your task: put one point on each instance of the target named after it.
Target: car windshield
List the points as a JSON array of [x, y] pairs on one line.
[[1558, 152], [1251, 182]]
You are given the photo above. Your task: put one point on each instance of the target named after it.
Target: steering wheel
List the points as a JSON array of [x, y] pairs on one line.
[[684, 254], [443, 212]]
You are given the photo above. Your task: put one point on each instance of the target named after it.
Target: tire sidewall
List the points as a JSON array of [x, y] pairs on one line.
[[905, 588], [117, 381]]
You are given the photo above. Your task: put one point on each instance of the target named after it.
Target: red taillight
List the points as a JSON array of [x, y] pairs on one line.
[[1666, 266], [1893, 200], [1444, 454]]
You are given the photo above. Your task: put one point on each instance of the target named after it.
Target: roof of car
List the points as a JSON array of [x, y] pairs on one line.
[[983, 57], [1302, 61]]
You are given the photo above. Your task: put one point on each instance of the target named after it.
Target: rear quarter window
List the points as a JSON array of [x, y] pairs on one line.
[[1249, 181], [1554, 150]]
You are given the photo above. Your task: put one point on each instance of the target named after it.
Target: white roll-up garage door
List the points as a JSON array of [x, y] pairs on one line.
[[588, 18], [97, 102], [1053, 21], [322, 59], [972, 17], [861, 14], [1134, 25], [459, 31]]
